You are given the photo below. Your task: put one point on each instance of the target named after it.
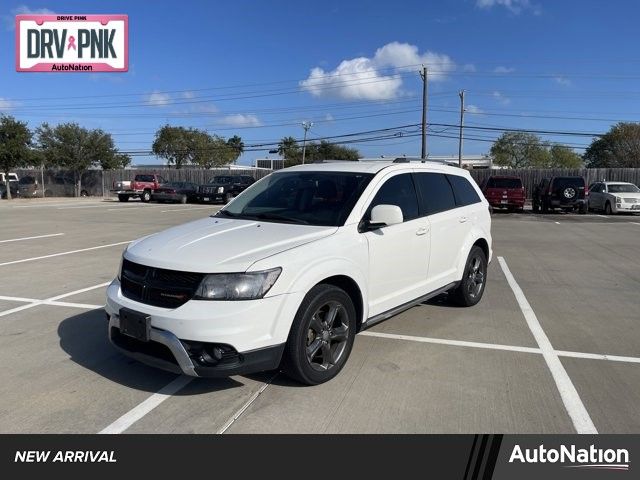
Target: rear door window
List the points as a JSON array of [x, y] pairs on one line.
[[463, 191], [436, 192]]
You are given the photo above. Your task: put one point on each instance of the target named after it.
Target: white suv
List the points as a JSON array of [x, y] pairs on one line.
[[289, 271]]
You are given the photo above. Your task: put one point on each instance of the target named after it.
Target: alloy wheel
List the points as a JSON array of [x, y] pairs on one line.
[[475, 278], [327, 336]]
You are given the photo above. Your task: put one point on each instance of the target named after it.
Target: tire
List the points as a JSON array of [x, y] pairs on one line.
[[146, 196], [309, 332], [535, 207], [183, 199], [227, 198], [123, 198], [582, 209], [545, 207], [607, 209], [474, 279], [84, 193]]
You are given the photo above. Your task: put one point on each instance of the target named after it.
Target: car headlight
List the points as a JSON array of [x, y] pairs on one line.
[[618, 200], [237, 286], [220, 189]]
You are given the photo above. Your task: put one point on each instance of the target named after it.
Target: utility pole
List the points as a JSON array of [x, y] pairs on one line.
[[423, 75], [306, 126], [461, 94]]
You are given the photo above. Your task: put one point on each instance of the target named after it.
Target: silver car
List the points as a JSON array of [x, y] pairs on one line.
[[614, 197]]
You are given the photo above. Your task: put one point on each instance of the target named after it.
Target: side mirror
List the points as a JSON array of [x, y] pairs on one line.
[[384, 216]]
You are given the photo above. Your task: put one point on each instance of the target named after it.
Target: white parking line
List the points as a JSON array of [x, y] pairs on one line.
[[54, 300], [570, 397], [32, 259], [82, 206], [635, 223], [31, 238], [494, 346], [186, 209], [557, 223], [85, 306], [457, 343], [132, 416]]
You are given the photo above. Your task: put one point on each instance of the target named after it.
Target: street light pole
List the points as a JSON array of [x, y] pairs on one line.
[[306, 126], [461, 94], [423, 75]]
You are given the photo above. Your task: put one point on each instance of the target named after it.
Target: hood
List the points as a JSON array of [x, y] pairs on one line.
[[213, 244], [626, 194]]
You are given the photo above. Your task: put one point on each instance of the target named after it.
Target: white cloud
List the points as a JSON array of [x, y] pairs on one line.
[[10, 21], [502, 69], [468, 67], [328, 118], [564, 81], [188, 95], [473, 110], [514, 6], [158, 99], [362, 78], [500, 98], [6, 104], [241, 120]]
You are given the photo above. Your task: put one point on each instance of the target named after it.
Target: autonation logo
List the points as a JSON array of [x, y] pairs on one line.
[[573, 457]]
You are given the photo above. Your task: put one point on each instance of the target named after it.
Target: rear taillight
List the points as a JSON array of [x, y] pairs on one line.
[[586, 191]]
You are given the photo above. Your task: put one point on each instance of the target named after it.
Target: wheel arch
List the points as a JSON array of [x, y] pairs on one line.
[[351, 288]]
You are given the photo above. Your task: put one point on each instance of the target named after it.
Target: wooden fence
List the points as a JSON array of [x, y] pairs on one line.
[[60, 182]]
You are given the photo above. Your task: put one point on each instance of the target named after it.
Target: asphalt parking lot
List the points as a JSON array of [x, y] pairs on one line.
[[552, 348]]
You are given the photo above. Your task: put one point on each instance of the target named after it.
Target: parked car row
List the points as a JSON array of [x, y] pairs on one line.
[[569, 194], [221, 188]]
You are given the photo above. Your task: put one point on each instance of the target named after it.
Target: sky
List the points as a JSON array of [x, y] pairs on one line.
[[258, 69]]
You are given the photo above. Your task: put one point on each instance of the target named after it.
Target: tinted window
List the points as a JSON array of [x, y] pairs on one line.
[[221, 179], [400, 191], [623, 188], [144, 178], [463, 191], [436, 192], [504, 183], [564, 182], [309, 198]]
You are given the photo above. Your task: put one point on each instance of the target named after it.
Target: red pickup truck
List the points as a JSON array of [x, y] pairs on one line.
[[142, 186]]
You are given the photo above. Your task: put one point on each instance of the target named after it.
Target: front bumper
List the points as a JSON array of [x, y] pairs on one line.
[[209, 197], [626, 207], [251, 334]]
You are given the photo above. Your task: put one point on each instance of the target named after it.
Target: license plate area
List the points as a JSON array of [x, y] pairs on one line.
[[206, 199], [135, 324]]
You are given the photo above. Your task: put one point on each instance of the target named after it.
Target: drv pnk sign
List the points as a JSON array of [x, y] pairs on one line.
[[72, 43]]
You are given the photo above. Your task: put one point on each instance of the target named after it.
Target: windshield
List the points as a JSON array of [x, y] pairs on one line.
[[309, 198], [27, 181], [221, 180], [623, 188], [504, 183]]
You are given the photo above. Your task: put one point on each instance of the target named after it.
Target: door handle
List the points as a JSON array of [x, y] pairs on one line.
[[422, 231], [462, 219]]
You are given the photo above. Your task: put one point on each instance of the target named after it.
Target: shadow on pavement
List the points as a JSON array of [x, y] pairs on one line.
[[84, 338]]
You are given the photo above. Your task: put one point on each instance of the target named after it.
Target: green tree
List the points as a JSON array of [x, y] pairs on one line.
[[15, 142], [618, 148], [237, 146], [290, 151], [209, 151], [173, 144], [73, 147], [519, 150], [564, 157]]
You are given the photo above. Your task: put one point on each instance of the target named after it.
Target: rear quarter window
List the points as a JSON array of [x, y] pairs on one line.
[[504, 183], [463, 191]]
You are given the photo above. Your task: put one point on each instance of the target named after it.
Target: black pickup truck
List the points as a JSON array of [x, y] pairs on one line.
[[223, 188]]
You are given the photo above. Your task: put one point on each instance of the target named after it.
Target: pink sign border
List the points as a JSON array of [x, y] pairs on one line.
[[97, 67]]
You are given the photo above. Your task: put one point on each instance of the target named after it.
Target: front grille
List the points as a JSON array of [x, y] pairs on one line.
[[209, 189], [630, 200], [157, 286]]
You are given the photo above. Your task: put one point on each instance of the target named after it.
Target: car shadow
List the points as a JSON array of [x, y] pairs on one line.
[[84, 338]]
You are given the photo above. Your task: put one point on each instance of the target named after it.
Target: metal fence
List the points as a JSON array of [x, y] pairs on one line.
[[531, 177], [62, 183]]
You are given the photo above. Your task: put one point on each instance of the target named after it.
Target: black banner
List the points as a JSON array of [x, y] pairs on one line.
[[466, 457]]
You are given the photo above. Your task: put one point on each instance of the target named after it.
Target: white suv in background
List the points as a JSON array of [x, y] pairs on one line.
[[289, 271], [614, 197]]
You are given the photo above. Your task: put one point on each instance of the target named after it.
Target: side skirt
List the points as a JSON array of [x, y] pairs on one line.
[[381, 317]]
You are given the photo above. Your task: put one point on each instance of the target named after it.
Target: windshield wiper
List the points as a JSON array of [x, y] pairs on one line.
[[282, 218]]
